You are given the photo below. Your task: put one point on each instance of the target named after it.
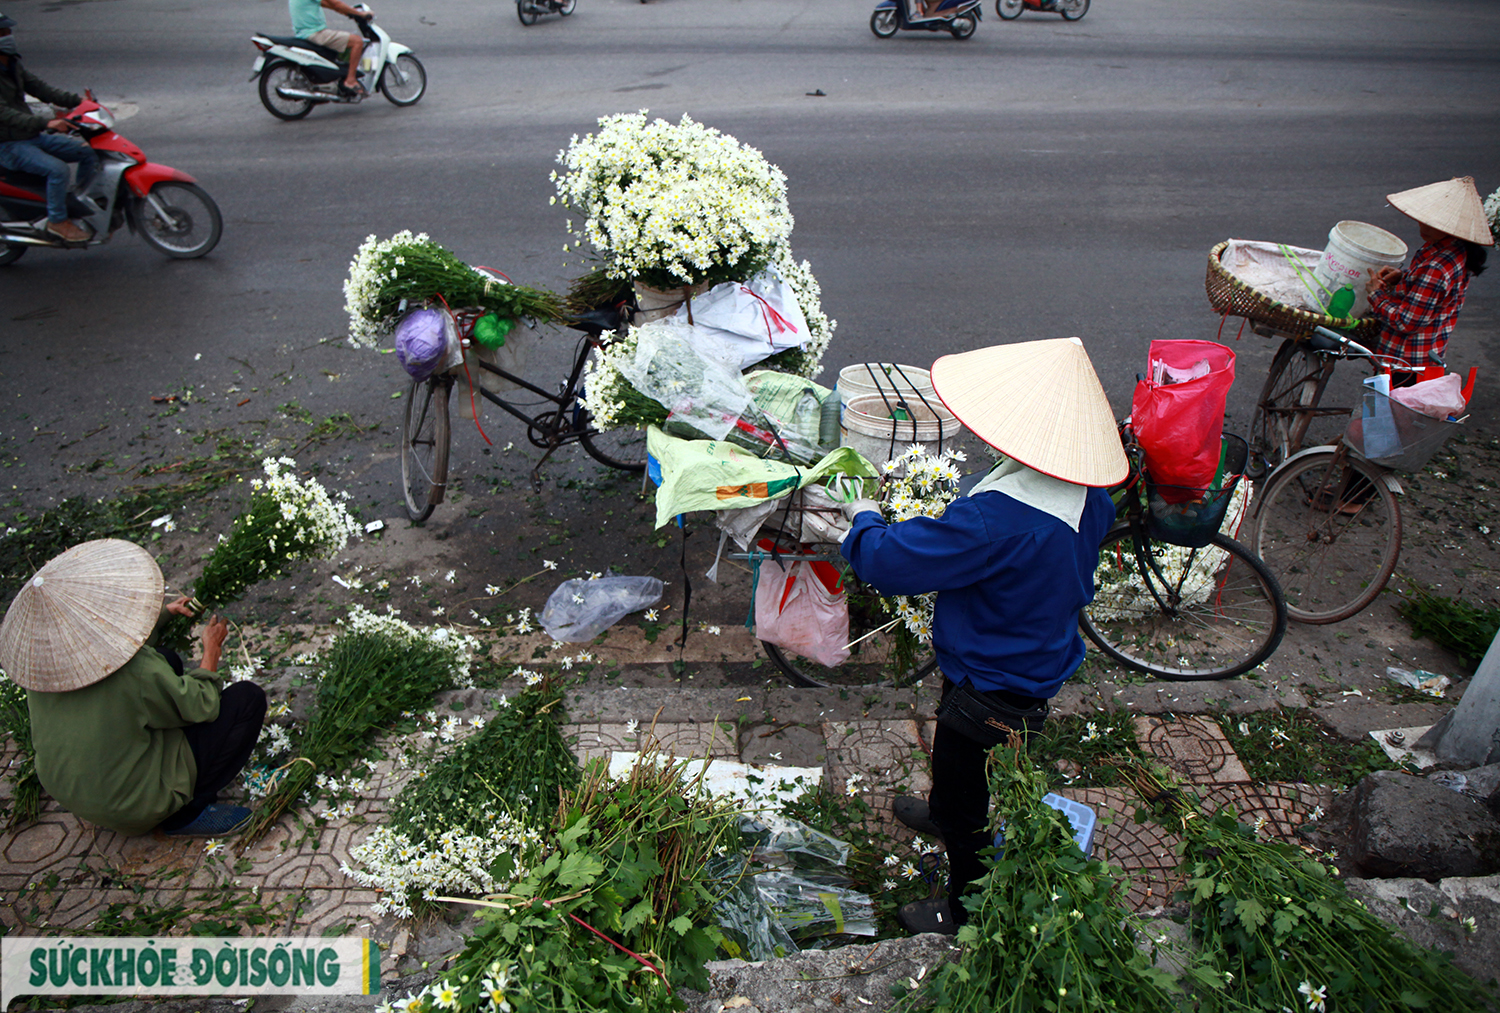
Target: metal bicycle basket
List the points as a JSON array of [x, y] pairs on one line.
[[1386, 432], [1194, 520]]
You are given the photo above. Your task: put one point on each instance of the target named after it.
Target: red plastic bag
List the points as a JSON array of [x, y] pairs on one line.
[[801, 607], [1178, 414]]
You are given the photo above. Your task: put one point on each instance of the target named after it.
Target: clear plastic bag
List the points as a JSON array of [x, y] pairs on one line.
[[580, 610], [807, 910], [694, 383], [791, 844]]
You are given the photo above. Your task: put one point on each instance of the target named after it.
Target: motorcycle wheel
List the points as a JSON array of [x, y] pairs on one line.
[[963, 27], [191, 225], [883, 23], [410, 91], [11, 252], [1009, 10], [1072, 10], [568, 7], [282, 74], [525, 12]]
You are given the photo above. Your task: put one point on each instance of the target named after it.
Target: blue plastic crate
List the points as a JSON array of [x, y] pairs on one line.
[[1080, 816]]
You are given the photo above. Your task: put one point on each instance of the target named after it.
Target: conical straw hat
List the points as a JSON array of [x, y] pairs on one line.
[[1038, 402], [82, 616], [1453, 206]]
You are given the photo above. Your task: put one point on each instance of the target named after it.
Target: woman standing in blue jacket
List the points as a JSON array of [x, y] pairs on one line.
[[1013, 564]]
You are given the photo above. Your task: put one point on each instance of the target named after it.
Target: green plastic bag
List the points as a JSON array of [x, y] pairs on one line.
[[717, 475], [490, 331]]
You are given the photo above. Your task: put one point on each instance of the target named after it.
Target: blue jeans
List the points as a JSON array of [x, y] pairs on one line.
[[48, 155]]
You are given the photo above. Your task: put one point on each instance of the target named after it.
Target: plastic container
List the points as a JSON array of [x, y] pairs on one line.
[[1080, 817], [865, 378], [883, 426], [1387, 432], [1354, 249]]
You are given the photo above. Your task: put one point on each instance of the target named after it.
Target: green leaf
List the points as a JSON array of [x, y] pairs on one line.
[[579, 869], [680, 925], [1251, 913], [636, 916], [1415, 1000]]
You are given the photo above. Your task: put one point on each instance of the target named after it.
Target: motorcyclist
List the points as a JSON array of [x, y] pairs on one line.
[[309, 23], [35, 144]]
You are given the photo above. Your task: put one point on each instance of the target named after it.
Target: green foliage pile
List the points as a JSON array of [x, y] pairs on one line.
[[1047, 928], [1462, 627], [629, 861]]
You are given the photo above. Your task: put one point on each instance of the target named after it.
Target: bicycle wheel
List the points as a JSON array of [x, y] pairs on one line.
[[424, 446], [877, 655], [1329, 529], [623, 448], [1294, 386], [1183, 614]]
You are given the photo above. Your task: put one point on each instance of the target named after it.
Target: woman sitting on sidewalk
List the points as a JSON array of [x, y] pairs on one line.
[[123, 736]]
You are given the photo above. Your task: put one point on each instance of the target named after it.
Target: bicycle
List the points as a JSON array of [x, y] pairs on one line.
[[1291, 398], [1181, 613], [426, 433], [1328, 523], [1174, 597]]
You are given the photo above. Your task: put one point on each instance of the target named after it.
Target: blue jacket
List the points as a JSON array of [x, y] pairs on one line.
[[1011, 581]]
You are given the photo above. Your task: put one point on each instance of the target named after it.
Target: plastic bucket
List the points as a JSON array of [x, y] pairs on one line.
[[1354, 249], [904, 382], [874, 425]]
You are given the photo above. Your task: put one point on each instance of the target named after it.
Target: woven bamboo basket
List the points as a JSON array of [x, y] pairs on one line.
[[1231, 297]]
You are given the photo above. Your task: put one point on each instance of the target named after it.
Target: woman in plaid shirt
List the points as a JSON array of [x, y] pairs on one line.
[[1420, 305]]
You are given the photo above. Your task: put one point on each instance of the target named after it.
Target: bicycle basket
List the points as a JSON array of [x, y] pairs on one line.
[[1385, 431], [1194, 522]]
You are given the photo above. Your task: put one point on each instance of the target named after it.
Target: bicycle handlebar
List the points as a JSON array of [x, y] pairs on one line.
[[1352, 347]]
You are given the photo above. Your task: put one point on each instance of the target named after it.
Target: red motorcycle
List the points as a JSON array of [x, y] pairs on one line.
[[1071, 10], [165, 206]]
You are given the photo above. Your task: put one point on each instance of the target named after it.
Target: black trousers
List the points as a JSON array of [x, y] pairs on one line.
[[959, 802], [220, 747]]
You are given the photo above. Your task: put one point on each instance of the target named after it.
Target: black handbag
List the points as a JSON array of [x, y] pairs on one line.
[[985, 717]]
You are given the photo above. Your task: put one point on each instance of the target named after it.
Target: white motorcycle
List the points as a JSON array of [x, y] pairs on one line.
[[296, 74]]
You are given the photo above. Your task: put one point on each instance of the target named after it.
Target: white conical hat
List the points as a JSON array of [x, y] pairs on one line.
[[1452, 205], [82, 616], [1040, 403]]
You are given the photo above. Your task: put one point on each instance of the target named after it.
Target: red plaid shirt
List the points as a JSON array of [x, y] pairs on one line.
[[1420, 309]]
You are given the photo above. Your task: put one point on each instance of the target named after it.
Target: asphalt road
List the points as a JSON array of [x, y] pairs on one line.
[[1041, 179]]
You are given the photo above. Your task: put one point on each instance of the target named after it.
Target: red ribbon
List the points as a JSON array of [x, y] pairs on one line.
[[771, 317]]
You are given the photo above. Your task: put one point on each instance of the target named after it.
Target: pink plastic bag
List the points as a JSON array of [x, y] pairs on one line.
[[1438, 398], [1179, 424], [801, 607]]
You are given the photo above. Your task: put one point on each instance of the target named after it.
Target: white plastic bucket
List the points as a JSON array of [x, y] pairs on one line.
[[904, 382], [1354, 249], [869, 426]]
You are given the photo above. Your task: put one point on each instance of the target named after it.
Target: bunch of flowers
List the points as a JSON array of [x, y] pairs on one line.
[[673, 204], [1047, 928], [1281, 932], [376, 669], [919, 484], [288, 520], [387, 276], [15, 721], [469, 824], [1492, 211]]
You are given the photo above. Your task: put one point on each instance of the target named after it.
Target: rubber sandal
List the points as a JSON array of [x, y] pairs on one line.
[[912, 813], [214, 821], [927, 916]]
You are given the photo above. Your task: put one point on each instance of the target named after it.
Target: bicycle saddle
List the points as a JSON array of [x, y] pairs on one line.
[[595, 321]]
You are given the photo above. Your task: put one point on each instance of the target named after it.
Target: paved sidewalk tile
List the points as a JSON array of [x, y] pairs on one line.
[[684, 739], [1193, 747]]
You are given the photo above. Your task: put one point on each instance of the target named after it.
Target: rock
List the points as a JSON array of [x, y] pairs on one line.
[[1409, 826], [1405, 904], [820, 979]]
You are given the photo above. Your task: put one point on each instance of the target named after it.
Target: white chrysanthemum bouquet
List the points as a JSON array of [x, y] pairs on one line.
[[918, 484], [673, 204], [388, 276], [288, 520], [1492, 211]]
